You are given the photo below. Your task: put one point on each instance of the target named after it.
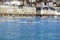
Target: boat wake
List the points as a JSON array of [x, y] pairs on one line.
[[29, 22]]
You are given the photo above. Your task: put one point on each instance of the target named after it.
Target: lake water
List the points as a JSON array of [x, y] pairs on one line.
[[34, 28]]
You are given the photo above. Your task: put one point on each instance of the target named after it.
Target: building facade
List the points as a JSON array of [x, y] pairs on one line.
[[58, 3]]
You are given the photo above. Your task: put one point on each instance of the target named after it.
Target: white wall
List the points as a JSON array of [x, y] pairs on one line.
[[32, 0]]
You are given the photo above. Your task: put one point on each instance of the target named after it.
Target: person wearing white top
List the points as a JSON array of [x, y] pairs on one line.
[[50, 4]]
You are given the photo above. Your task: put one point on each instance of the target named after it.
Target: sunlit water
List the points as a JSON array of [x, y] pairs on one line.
[[35, 28]]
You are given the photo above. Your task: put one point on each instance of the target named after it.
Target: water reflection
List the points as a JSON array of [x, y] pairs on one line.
[[26, 29]]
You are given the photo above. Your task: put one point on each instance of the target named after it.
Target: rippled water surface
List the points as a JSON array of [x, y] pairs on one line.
[[35, 28]]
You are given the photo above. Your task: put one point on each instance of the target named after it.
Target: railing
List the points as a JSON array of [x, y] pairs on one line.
[[15, 10], [28, 10], [51, 12]]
